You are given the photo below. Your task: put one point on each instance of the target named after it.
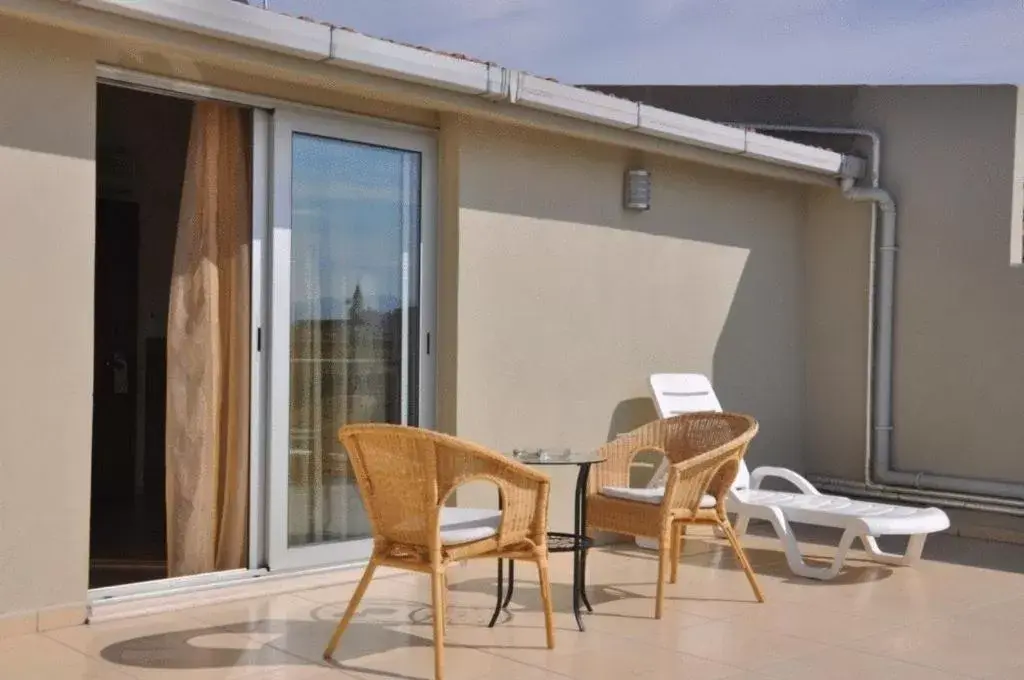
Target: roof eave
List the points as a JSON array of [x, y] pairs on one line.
[[319, 42]]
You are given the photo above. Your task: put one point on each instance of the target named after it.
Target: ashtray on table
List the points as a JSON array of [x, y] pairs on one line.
[[540, 455]]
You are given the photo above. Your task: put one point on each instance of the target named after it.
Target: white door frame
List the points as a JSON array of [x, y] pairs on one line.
[[276, 338], [263, 187]]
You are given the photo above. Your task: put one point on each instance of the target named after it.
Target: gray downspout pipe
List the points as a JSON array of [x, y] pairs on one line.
[[882, 468], [881, 328], [881, 479]]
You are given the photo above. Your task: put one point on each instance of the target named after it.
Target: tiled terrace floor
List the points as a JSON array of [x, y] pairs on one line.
[[959, 614]]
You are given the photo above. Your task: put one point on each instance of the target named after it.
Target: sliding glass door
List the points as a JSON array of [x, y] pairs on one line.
[[351, 319]]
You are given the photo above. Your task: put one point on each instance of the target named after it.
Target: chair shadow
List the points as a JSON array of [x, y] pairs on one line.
[[526, 595], [371, 632]]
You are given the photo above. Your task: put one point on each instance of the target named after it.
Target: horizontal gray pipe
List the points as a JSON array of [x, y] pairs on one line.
[[944, 498]]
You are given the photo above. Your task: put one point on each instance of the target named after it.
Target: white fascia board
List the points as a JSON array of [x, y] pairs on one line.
[[796, 155], [230, 20], [546, 95], [358, 51], [677, 127]]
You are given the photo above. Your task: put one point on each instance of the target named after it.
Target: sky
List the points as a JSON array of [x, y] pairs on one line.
[[708, 41]]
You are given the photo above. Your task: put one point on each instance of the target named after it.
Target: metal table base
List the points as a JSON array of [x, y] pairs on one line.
[[578, 543]]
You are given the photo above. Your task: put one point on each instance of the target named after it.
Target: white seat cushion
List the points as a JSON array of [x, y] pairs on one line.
[[465, 525], [652, 495]]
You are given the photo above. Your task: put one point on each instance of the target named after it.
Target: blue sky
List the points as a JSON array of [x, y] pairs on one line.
[[708, 41]]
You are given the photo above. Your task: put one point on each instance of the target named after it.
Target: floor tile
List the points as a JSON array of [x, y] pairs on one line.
[[35, 657], [839, 664], [740, 644], [974, 649], [954, 617]]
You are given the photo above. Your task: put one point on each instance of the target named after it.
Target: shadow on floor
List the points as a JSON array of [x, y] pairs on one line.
[[376, 629], [766, 562], [197, 648]]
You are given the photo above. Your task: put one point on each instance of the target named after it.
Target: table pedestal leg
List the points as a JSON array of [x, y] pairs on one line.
[[579, 553], [581, 530], [580, 548], [501, 593]]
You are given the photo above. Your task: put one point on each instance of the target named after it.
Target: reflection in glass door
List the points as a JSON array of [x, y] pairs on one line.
[[350, 320]]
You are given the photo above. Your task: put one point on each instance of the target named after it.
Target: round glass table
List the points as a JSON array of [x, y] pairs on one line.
[[577, 542]]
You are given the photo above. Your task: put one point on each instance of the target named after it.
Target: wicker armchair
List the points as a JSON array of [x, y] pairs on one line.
[[405, 476], [705, 450]]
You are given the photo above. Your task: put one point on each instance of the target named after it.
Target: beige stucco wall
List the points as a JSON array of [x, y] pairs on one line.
[[959, 349], [950, 155], [47, 198], [836, 242], [567, 302]]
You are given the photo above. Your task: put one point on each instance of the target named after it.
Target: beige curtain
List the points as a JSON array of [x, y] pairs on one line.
[[208, 351]]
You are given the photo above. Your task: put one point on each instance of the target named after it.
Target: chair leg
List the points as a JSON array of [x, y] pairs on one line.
[[734, 541], [444, 600], [350, 611], [677, 550], [545, 598], [437, 597], [664, 554]]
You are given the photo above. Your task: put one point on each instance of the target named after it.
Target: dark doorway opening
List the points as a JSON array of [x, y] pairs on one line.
[[142, 144]]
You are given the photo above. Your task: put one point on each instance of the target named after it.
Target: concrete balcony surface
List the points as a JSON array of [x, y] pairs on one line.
[[957, 614]]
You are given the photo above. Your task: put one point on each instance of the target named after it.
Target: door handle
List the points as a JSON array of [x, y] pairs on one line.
[[119, 366]]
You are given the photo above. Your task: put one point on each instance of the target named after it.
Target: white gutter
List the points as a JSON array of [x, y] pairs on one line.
[[227, 20], [313, 41]]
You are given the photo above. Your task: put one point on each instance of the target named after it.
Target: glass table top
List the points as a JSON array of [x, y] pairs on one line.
[[556, 457]]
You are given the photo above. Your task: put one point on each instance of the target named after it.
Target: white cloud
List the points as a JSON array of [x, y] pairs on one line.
[[709, 41]]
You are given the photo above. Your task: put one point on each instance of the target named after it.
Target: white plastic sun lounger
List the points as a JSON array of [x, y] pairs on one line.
[[676, 393]]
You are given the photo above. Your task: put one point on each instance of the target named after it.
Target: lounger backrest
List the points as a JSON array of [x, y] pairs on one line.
[[678, 393]]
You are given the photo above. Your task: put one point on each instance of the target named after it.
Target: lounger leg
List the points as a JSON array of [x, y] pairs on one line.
[[796, 560], [914, 547], [740, 526]]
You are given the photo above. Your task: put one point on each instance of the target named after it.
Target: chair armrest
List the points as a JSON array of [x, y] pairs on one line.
[[797, 480], [524, 491], [619, 458], [689, 480], [525, 512]]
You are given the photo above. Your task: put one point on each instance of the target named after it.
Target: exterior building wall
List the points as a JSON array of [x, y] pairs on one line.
[[949, 161], [950, 157], [836, 245], [47, 194], [567, 302], [554, 302]]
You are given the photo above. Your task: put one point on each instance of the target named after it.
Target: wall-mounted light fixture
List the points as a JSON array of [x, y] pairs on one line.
[[638, 190]]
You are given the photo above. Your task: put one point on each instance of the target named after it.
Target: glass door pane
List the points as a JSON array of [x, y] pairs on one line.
[[353, 323]]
